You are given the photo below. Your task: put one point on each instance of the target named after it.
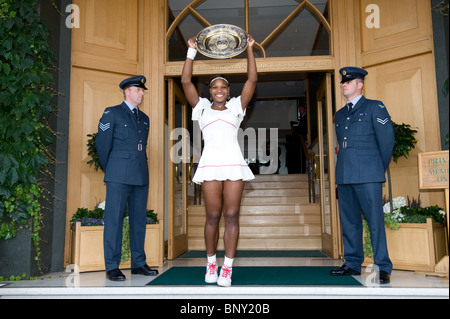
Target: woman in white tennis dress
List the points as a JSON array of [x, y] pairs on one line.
[[222, 158], [222, 170]]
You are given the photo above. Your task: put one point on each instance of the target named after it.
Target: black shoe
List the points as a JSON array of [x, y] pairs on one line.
[[344, 271], [384, 277], [115, 275], [144, 270]]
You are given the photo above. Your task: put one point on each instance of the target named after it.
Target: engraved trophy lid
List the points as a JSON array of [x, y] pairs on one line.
[[222, 41]]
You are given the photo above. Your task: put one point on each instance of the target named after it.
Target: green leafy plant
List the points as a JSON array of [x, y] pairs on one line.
[[25, 105], [404, 140], [89, 217], [92, 152], [404, 212], [13, 278], [96, 216], [404, 143], [126, 253]]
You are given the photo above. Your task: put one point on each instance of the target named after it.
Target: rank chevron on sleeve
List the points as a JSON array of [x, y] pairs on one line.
[[104, 127], [382, 122]]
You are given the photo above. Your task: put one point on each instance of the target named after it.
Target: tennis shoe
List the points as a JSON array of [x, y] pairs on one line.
[[225, 276], [211, 273]]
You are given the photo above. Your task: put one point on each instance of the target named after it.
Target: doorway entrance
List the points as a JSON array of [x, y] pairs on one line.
[[119, 38], [286, 148], [285, 207]]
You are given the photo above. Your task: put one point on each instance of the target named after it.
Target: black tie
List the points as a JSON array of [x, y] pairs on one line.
[[350, 106], [135, 113]]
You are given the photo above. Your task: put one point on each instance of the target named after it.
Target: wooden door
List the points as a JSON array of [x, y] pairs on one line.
[[400, 60], [104, 52], [328, 209], [179, 159], [398, 54]]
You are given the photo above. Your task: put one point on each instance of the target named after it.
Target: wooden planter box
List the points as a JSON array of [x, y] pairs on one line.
[[87, 247], [416, 247]]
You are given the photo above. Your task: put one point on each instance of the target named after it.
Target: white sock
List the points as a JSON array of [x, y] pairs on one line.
[[211, 259], [228, 262]]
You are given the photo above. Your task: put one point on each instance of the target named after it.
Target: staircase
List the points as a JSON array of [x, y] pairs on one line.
[[275, 215]]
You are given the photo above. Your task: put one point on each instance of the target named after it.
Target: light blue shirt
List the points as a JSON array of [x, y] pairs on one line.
[[131, 106], [355, 100]]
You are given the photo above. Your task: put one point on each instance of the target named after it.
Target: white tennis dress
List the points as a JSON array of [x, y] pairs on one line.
[[222, 157]]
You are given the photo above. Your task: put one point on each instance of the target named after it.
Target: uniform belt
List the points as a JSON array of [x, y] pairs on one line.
[[138, 148], [359, 144]]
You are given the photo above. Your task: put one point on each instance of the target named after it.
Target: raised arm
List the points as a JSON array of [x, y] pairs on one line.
[[186, 77], [252, 75]]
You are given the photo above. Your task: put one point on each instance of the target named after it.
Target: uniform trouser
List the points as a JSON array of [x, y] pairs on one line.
[[117, 197], [354, 198]]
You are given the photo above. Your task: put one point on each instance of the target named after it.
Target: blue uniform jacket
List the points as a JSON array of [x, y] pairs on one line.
[[121, 146], [366, 141]]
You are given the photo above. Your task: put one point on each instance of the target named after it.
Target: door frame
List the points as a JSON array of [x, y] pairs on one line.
[[330, 241], [177, 244]]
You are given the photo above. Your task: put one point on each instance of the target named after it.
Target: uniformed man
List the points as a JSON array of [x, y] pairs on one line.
[[366, 140], [121, 146]]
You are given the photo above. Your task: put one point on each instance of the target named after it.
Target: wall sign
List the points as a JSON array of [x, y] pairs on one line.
[[433, 170]]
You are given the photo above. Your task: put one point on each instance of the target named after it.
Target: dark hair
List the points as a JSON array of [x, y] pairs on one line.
[[218, 76]]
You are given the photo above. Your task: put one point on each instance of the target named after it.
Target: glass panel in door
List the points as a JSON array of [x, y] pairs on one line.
[[179, 144], [325, 163]]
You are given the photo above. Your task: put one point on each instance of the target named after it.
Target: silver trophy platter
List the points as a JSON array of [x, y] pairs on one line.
[[222, 41]]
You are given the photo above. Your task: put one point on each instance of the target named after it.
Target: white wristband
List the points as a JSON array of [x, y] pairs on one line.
[[191, 53]]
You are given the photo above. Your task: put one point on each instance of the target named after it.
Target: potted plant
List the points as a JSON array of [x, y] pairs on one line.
[[416, 236], [404, 142], [87, 240]]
